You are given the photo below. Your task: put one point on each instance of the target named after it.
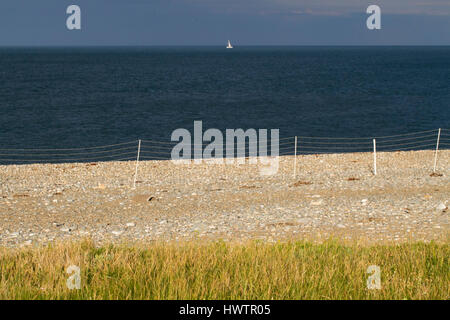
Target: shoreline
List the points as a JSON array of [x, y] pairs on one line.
[[333, 196]]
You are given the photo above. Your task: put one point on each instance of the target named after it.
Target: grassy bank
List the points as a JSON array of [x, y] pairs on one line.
[[296, 270]]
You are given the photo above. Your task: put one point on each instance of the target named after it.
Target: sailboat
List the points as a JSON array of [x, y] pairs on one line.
[[229, 46]]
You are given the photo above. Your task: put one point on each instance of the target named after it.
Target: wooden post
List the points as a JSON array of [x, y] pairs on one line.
[[137, 164], [295, 158], [374, 156], [437, 149]]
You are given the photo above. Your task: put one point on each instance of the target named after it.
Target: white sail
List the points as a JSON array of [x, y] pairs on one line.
[[229, 46]]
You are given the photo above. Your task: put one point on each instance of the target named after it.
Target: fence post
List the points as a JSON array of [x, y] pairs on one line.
[[137, 164], [374, 156], [295, 158], [437, 149]]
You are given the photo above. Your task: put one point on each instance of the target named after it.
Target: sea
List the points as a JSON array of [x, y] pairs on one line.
[[83, 97]]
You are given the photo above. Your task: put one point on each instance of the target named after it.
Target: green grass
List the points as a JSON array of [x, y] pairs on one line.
[[255, 270]]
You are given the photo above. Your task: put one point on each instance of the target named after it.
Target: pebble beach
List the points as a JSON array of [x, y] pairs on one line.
[[331, 196]]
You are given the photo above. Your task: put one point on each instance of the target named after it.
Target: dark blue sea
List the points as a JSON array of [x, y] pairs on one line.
[[86, 97]]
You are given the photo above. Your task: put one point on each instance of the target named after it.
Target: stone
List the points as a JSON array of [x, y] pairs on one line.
[[317, 202]]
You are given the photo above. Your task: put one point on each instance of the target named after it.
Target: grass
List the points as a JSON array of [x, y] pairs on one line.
[[219, 270]]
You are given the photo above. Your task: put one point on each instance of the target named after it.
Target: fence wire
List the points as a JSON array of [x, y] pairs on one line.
[[161, 150]]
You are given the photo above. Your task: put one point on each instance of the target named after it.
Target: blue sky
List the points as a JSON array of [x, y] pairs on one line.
[[212, 22]]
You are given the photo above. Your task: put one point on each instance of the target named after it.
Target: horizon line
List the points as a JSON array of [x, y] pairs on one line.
[[217, 45]]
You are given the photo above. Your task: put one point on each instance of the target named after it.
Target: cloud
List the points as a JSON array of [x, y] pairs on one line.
[[310, 12], [323, 7]]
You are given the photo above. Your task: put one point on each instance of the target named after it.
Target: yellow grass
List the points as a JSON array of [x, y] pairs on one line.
[[255, 270]]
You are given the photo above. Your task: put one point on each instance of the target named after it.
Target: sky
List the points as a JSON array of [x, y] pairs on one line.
[[213, 22]]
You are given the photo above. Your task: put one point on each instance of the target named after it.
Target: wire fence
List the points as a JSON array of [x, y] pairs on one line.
[[114, 152], [300, 145]]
